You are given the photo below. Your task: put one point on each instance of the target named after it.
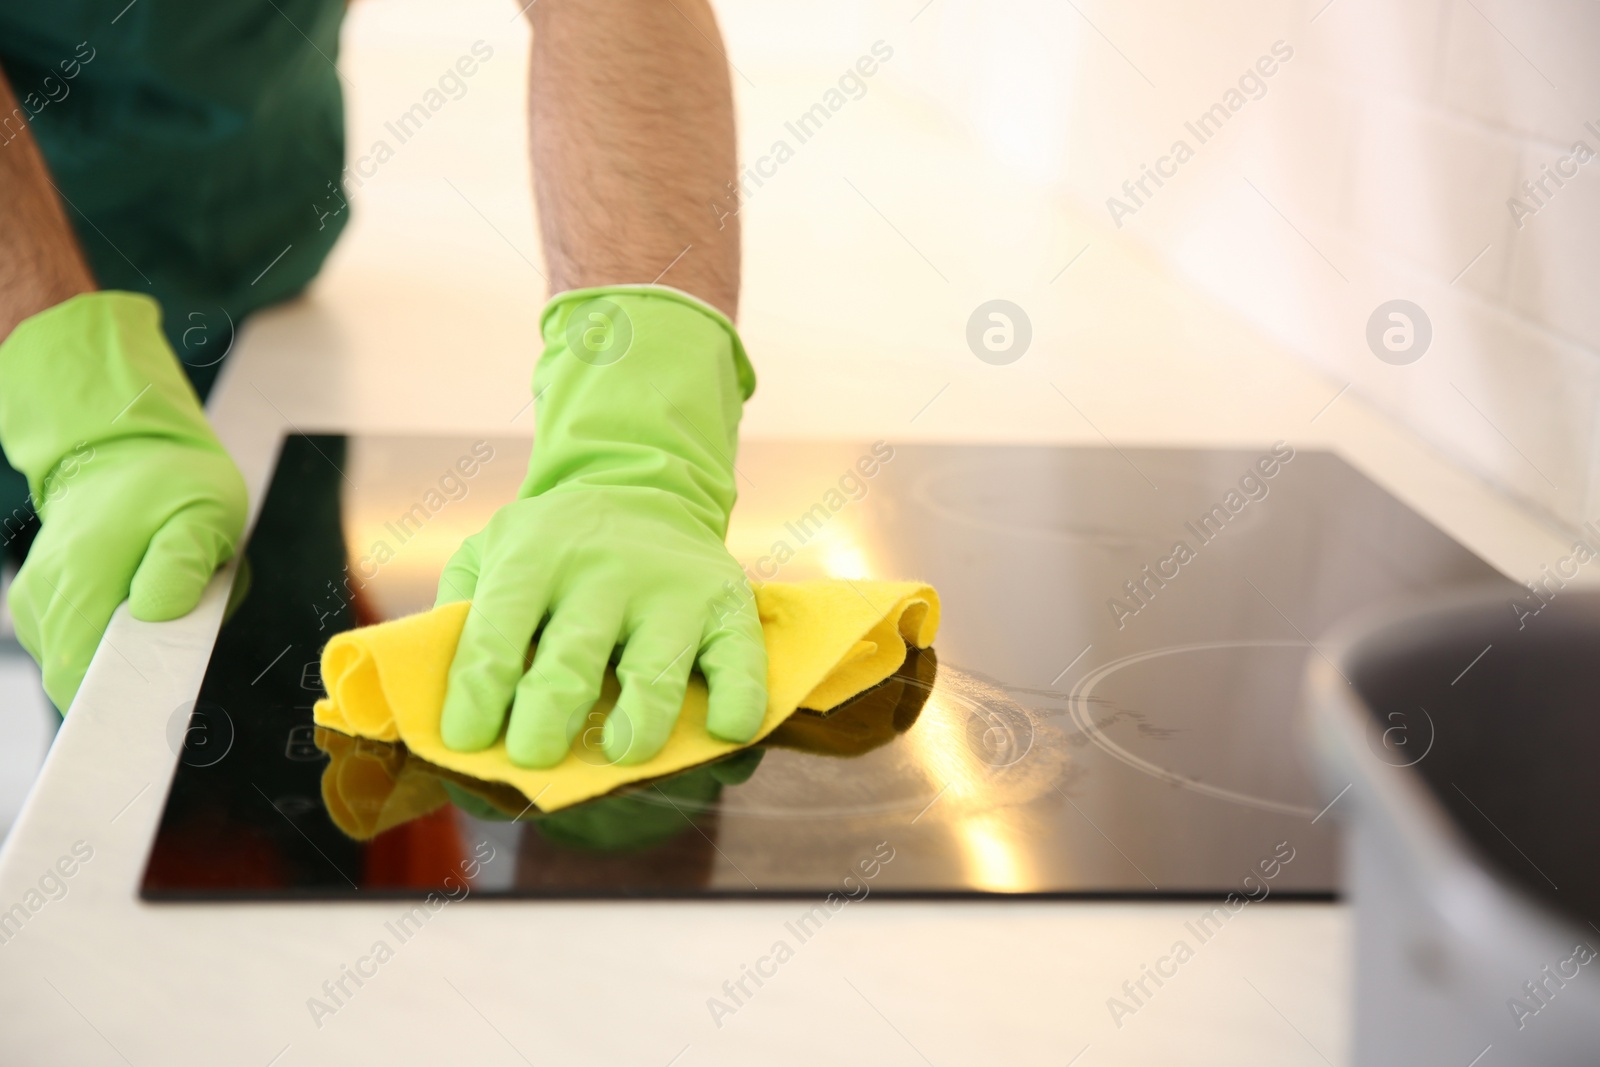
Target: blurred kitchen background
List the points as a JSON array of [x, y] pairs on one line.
[[1379, 160]]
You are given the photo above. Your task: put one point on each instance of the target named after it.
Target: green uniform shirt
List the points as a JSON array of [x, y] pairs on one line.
[[197, 147]]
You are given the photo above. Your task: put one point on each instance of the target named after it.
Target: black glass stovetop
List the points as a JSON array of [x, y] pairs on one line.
[[1110, 709]]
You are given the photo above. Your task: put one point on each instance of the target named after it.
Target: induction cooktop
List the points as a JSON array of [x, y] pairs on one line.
[[1110, 709]]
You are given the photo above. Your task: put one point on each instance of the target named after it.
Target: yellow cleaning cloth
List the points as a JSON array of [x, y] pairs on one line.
[[369, 788], [826, 642]]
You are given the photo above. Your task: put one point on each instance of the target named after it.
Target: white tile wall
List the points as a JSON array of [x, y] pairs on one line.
[[1377, 166], [1525, 67], [1555, 262], [1381, 48], [1430, 188]]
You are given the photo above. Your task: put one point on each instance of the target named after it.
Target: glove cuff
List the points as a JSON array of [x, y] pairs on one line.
[[89, 370], [561, 306], [639, 387]]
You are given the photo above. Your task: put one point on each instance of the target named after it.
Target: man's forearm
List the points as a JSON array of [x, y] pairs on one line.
[[633, 146], [40, 262]]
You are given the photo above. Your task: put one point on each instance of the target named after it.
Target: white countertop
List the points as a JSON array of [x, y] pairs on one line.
[[425, 321]]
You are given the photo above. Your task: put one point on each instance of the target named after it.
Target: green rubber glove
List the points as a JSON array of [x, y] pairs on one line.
[[138, 500], [616, 539]]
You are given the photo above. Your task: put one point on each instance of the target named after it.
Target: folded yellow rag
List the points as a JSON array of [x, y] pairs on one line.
[[826, 642]]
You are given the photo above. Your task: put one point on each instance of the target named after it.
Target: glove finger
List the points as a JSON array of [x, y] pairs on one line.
[[654, 671], [509, 601], [179, 562], [734, 661], [60, 615], [459, 580], [555, 698]]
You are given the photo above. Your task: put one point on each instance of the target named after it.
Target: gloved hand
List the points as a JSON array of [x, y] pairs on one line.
[[138, 500], [617, 538]]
